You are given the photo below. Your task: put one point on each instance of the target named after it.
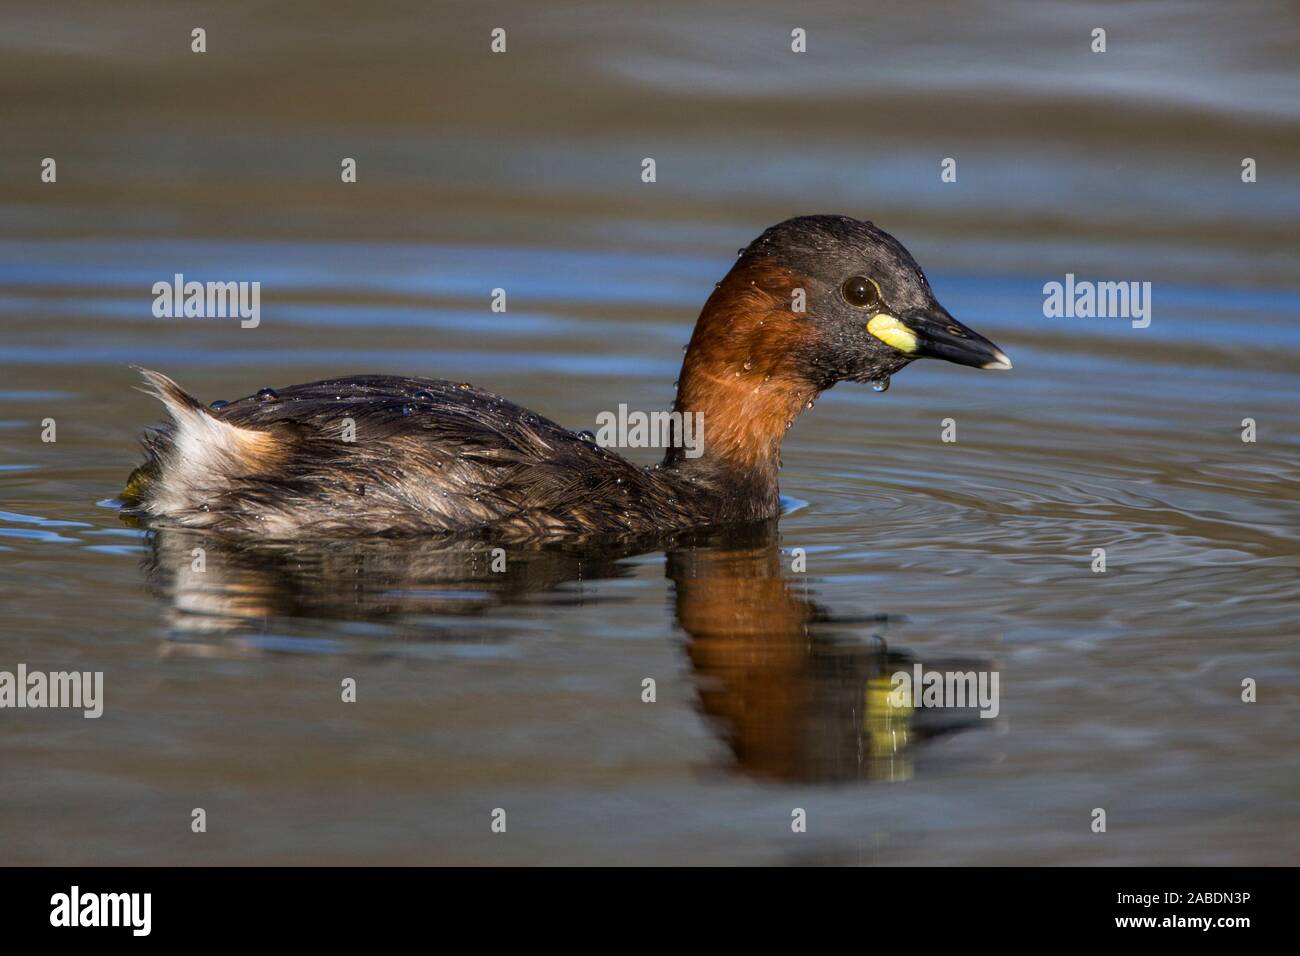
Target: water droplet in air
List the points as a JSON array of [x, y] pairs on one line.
[[880, 384]]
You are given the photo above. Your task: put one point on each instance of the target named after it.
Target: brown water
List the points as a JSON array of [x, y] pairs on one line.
[[522, 690]]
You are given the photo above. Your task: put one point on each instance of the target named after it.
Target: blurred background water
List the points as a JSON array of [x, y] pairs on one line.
[[522, 171]]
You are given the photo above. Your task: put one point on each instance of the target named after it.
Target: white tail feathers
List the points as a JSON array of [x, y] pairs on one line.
[[168, 392], [202, 453]]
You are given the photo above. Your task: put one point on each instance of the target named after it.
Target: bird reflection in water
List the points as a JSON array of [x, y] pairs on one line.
[[797, 693]]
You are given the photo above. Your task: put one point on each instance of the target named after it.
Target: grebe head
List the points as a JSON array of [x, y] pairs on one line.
[[811, 302], [869, 305]]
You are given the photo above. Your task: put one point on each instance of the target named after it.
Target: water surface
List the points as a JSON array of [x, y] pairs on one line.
[[523, 690]]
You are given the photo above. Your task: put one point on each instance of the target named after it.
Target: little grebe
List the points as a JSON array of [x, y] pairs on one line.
[[812, 301]]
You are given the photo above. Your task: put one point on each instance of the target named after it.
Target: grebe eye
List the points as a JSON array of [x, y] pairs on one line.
[[861, 292]]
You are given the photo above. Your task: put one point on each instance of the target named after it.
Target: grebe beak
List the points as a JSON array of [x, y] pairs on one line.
[[933, 333]]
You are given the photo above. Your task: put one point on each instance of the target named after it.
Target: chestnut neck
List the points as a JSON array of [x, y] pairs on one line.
[[745, 370]]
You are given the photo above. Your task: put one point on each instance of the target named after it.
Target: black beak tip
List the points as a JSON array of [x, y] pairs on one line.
[[943, 337]]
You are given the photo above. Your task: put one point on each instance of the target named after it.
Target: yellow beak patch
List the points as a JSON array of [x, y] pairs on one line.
[[892, 332]]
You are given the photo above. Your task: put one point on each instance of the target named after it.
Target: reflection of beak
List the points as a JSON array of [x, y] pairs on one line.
[[933, 333]]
